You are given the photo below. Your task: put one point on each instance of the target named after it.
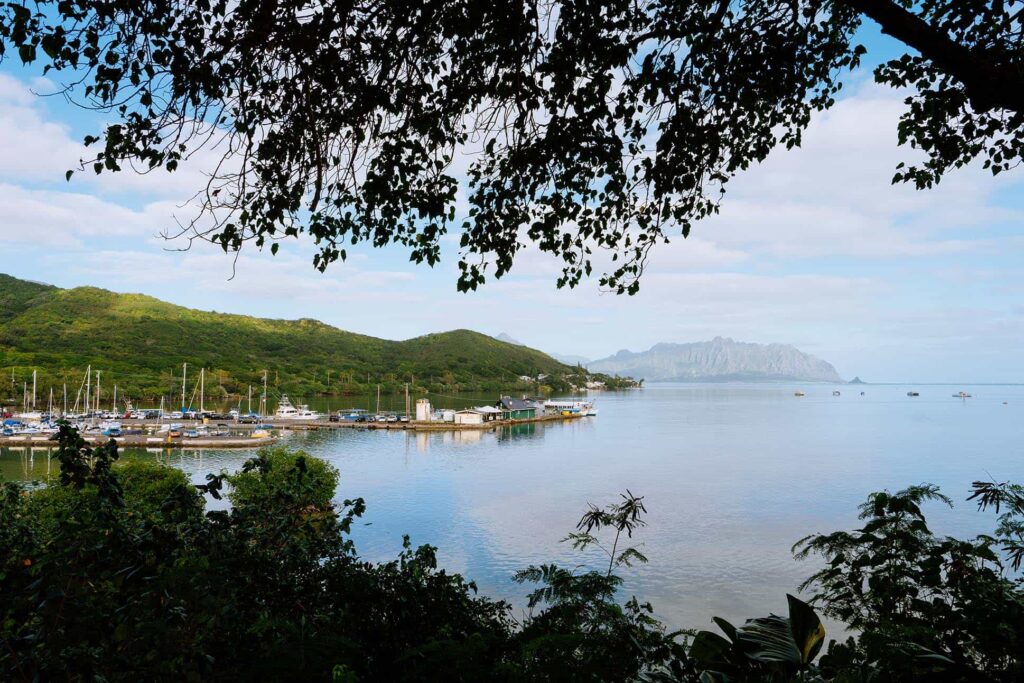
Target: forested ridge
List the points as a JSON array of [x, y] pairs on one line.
[[140, 343]]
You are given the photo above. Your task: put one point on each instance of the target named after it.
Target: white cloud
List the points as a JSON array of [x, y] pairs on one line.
[[64, 219], [36, 149], [833, 195]]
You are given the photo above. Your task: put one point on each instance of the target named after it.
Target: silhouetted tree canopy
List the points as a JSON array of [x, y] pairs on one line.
[[578, 126]]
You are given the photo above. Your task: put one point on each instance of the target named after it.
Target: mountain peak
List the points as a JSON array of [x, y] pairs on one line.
[[721, 359], [508, 339]]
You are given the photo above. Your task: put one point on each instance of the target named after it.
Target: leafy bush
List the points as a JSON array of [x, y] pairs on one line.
[[116, 573]]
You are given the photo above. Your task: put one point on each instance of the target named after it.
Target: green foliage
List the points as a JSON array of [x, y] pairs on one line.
[[140, 343], [600, 127], [923, 605], [771, 648], [117, 573], [265, 477]]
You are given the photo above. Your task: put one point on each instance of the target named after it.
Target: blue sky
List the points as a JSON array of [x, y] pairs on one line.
[[813, 248]]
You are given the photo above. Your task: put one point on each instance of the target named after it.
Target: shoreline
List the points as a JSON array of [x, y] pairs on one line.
[[151, 440]]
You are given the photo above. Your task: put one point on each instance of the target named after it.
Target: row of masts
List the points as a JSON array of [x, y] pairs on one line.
[[91, 399]]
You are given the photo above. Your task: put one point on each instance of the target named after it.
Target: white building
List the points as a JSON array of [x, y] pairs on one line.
[[423, 410], [469, 417]]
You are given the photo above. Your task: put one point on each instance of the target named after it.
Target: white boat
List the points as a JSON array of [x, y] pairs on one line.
[[570, 406], [286, 411]]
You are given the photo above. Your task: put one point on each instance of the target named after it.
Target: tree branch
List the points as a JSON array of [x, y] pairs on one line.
[[989, 84]]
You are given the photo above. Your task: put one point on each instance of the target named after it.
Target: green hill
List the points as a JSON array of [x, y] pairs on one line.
[[140, 343]]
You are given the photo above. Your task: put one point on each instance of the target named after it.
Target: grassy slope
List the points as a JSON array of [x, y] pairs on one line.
[[17, 296], [142, 342]]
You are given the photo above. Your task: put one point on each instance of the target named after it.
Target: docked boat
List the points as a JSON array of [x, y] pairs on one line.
[[286, 411], [569, 407]]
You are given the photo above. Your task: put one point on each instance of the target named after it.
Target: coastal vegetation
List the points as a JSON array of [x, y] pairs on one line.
[[140, 343], [117, 572]]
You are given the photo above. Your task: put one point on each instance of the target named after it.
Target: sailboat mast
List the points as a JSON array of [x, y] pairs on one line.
[[97, 399], [378, 399], [33, 389], [88, 389], [114, 408], [263, 400], [202, 388], [184, 371], [250, 399], [65, 400]]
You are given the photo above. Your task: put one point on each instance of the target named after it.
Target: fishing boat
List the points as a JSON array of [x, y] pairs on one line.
[[286, 411]]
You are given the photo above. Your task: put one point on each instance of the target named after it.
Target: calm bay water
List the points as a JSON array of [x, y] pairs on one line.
[[732, 475]]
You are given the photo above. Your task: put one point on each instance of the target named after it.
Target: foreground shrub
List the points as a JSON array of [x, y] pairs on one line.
[[117, 573]]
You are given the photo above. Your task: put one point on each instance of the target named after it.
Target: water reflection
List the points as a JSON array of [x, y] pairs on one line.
[[732, 475]]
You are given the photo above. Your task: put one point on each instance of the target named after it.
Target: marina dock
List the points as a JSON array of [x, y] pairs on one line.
[[151, 439]]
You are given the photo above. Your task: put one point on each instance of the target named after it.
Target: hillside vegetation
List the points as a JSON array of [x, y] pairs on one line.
[[140, 343]]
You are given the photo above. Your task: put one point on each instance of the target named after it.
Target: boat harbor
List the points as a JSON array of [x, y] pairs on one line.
[[195, 429]]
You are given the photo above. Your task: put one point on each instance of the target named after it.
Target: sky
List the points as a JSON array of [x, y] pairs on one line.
[[814, 248]]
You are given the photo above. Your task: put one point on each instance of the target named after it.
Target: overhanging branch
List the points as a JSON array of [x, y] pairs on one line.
[[989, 84]]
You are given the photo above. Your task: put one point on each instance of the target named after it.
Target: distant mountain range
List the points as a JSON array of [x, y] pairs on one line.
[[718, 360], [509, 340], [570, 360], [561, 358]]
